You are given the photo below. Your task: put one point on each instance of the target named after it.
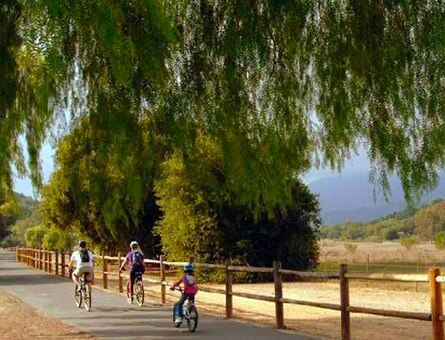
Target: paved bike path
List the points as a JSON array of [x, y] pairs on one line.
[[111, 316]]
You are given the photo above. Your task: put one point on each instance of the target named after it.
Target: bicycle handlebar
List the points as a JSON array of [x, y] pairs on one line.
[[178, 288]]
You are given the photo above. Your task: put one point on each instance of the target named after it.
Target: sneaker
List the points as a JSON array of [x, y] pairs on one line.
[[178, 321]]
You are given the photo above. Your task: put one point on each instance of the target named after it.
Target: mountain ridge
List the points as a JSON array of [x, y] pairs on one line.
[[352, 198]]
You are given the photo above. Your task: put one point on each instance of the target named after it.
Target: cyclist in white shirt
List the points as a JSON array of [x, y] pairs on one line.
[[84, 264]]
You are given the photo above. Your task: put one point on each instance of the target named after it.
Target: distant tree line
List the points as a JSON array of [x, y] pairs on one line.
[[419, 224]]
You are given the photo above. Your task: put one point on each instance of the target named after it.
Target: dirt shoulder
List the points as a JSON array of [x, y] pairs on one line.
[[20, 321]]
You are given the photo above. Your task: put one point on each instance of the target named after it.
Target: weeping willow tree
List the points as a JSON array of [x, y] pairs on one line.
[[97, 194], [280, 85]]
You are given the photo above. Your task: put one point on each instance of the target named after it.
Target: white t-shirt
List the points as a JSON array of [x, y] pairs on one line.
[[76, 257]]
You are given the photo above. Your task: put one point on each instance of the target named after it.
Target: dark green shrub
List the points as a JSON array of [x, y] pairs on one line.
[[439, 240]]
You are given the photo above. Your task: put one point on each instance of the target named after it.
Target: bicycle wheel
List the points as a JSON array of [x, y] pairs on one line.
[[87, 297], [129, 297], [139, 292], [192, 320], [77, 297]]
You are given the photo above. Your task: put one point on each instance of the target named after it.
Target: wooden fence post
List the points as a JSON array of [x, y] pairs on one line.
[[121, 282], [63, 263], [229, 298], [436, 304], [45, 253], [278, 282], [344, 302], [104, 272], [40, 259], [162, 277], [50, 261], [56, 264]]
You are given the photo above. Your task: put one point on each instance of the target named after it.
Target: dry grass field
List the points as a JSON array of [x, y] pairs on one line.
[[336, 251], [385, 257]]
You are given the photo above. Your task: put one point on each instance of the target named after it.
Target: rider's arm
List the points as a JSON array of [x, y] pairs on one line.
[[72, 261], [177, 283], [123, 264]]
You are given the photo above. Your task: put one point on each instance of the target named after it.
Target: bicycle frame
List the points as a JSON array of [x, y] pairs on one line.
[[139, 294], [189, 313], [83, 293]]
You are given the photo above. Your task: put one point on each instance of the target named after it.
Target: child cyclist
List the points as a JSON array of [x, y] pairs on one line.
[[135, 258], [190, 290]]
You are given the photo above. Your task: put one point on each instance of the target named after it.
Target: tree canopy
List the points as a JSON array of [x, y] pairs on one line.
[[280, 85]]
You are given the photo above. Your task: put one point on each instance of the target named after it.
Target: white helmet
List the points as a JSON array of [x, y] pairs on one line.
[[134, 244]]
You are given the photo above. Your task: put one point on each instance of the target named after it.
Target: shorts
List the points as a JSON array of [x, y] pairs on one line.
[[89, 271]]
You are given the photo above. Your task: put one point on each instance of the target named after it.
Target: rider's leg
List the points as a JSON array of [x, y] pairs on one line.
[[89, 278], [75, 277], [179, 306], [132, 278]]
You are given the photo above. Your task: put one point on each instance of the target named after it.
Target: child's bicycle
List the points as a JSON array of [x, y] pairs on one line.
[[83, 293], [138, 290], [190, 313]]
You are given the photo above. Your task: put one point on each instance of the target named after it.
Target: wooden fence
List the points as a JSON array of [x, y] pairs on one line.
[[53, 262]]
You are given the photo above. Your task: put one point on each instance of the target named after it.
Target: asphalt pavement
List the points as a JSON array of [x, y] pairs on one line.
[[111, 316]]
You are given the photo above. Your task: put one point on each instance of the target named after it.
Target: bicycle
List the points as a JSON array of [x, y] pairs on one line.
[[189, 312], [138, 290], [82, 293]]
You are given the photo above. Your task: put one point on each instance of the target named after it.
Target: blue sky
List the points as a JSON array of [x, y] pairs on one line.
[[23, 185]]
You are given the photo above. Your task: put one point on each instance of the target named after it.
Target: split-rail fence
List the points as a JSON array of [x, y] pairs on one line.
[[57, 263]]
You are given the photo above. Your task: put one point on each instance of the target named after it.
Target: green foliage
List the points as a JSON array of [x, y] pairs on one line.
[[424, 222], [408, 241], [439, 240], [19, 229], [16, 215], [390, 234], [202, 218], [34, 236], [59, 240], [8, 241], [430, 220], [108, 199], [280, 85]]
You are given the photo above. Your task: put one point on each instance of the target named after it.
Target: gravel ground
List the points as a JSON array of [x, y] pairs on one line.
[[20, 321]]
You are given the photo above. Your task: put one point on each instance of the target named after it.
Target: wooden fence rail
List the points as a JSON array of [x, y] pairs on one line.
[[45, 260]]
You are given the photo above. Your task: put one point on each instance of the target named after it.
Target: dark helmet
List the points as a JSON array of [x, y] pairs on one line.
[[82, 244]]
